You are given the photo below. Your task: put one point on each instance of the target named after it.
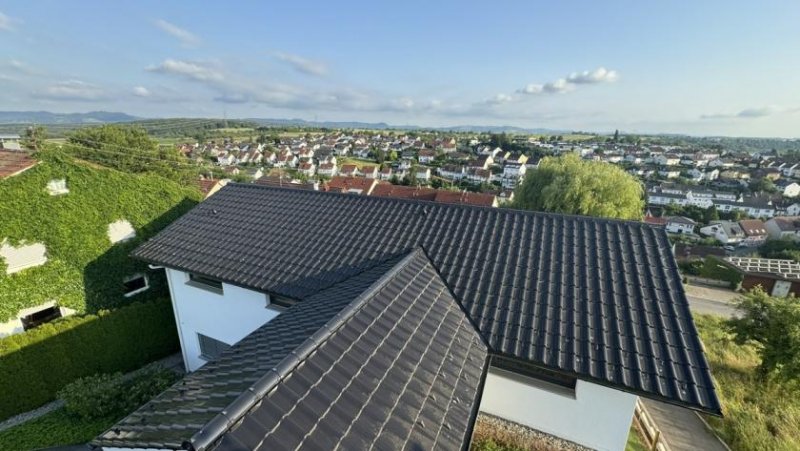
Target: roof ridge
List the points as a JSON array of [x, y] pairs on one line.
[[224, 420], [442, 204]]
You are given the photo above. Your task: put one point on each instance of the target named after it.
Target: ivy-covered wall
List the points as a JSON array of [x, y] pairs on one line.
[[84, 271]]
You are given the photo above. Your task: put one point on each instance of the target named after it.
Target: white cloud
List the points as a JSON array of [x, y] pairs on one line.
[[751, 113], [186, 37], [569, 83], [141, 91], [599, 75], [187, 69], [71, 90], [557, 87], [5, 22], [499, 99], [304, 65]]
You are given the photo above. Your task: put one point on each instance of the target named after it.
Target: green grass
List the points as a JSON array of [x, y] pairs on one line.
[[635, 442], [359, 162], [54, 429], [759, 415]]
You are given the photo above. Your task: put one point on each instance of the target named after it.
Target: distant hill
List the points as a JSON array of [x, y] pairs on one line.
[[385, 126], [48, 118]]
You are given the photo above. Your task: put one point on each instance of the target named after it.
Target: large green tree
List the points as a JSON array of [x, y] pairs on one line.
[[773, 323], [127, 148], [568, 184]]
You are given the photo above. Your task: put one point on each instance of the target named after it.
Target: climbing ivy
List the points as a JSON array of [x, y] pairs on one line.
[[84, 270]]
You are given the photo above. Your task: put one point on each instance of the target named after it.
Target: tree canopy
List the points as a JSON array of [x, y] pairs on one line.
[[773, 323], [568, 184], [128, 149]]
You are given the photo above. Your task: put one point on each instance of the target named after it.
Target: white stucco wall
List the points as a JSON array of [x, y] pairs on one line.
[[227, 317], [594, 416]]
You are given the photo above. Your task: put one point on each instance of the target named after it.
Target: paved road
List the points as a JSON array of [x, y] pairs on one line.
[[711, 306]]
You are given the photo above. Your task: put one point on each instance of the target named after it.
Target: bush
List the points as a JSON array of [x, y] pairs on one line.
[[111, 395], [714, 268], [35, 365], [98, 396]]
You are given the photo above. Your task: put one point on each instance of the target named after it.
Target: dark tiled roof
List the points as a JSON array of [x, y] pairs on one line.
[[601, 299], [192, 403], [386, 358], [403, 372]]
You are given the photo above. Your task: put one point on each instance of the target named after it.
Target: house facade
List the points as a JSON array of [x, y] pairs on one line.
[[274, 308]]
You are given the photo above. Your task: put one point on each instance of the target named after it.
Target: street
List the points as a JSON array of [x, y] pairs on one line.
[[712, 301]]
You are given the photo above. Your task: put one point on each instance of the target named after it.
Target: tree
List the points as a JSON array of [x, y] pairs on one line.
[[616, 136], [773, 323], [763, 185], [128, 149], [570, 185], [35, 136]]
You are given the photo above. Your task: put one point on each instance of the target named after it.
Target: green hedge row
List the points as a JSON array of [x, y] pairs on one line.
[[35, 365]]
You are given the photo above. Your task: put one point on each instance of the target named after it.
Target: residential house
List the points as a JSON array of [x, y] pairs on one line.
[[351, 185], [478, 176], [349, 170], [369, 171], [680, 224], [209, 186], [726, 232], [788, 188], [516, 158], [386, 173], [422, 173], [784, 227], [426, 156], [327, 169], [307, 168], [360, 319], [452, 172], [482, 162], [755, 232]]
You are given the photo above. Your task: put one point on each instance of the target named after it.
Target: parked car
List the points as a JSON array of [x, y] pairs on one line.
[[729, 248]]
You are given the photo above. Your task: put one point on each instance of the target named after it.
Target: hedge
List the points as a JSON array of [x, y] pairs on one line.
[[36, 364]]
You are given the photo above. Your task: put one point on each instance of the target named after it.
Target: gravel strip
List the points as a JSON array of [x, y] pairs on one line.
[[504, 431]]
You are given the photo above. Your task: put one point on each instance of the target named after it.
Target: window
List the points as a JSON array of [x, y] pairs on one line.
[[280, 302], [57, 187], [205, 283], [135, 284], [211, 348], [40, 317]]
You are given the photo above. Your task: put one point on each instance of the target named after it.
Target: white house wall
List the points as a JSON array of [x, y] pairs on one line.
[[593, 416], [227, 317]]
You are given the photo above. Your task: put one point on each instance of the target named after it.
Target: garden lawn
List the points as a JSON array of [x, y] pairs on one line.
[[759, 415]]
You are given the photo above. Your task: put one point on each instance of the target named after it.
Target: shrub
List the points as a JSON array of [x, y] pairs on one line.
[[112, 395], [714, 268], [98, 396], [35, 365]]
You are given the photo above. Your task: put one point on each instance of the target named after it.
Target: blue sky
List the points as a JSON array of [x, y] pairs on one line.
[[699, 67]]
